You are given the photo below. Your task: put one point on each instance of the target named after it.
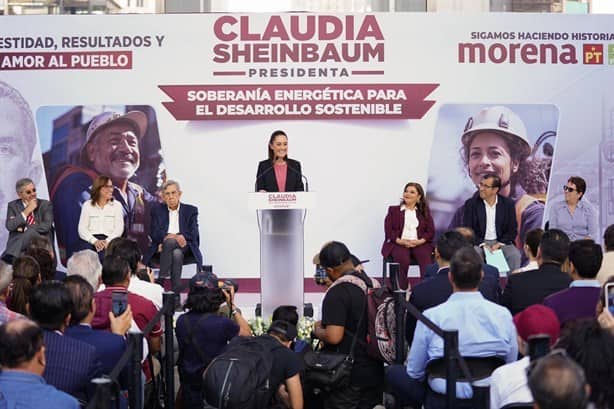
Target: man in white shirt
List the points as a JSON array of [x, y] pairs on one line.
[[174, 234]]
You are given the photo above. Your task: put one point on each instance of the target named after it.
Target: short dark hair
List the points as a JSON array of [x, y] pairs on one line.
[[586, 256], [115, 270], [20, 340], [592, 348], [608, 238], [126, 249], [580, 184], [554, 246], [557, 382], [44, 260], [496, 180], [50, 304], [286, 313], [81, 294], [333, 254], [466, 268], [283, 330], [532, 240], [204, 300], [449, 243]]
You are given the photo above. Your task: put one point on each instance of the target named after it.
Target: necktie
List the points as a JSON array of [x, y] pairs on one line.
[[30, 219]]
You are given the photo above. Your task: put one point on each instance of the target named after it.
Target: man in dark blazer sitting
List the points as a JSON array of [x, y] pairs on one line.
[[438, 289], [531, 287], [71, 364], [492, 218], [26, 218], [174, 234]]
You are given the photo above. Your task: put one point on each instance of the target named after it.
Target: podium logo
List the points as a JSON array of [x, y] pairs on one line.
[[592, 53], [282, 197]]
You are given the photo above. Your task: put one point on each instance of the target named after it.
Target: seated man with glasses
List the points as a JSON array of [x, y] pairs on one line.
[[26, 218], [492, 217], [174, 234]]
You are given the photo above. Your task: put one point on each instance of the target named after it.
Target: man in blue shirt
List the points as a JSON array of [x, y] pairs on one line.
[[485, 330], [22, 356]]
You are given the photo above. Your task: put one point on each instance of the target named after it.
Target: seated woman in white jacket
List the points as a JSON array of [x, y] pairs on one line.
[[102, 218]]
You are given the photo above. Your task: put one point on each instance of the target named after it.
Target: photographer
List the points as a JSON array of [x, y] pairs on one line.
[[202, 334], [342, 309]]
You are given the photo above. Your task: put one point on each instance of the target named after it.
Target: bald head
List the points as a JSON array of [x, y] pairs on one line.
[[21, 346]]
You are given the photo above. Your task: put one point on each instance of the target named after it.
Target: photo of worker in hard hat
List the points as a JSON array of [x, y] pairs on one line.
[[514, 142]]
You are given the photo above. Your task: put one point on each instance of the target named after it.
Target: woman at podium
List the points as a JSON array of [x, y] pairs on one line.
[[278, 173], [409, 230]]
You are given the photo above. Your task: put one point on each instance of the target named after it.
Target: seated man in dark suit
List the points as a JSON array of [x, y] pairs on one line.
[[110, 346], [26, 218], [492, 217], [531, 287], [438, 289], [174, 234], [489, 271], [580, 299], [71, 364]]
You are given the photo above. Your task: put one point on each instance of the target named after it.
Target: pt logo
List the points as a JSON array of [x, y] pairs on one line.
[[592, 53]]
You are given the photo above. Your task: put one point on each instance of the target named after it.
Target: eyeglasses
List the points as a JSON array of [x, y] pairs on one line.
[[569, 189], [29, 192], [485, 186]]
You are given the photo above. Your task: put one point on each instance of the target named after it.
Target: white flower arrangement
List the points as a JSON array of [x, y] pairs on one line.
[[260, 326]]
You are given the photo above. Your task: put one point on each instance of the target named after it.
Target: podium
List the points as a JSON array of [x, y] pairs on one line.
[[281, 217]]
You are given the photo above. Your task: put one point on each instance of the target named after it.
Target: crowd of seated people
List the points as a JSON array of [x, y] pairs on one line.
[[58, 331]]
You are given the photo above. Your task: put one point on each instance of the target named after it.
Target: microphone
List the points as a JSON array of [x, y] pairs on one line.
[[258, 177], [302, 177]]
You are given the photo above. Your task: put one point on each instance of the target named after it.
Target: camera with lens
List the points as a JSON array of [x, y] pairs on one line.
[[320, 276]]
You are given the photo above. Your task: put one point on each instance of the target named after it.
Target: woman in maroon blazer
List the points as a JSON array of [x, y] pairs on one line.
[[409, 232]]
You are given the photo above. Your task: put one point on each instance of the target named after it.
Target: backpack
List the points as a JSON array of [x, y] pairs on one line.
[[239, 377], [381, 318]]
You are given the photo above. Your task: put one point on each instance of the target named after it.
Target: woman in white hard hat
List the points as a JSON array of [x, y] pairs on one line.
[[495, 141]]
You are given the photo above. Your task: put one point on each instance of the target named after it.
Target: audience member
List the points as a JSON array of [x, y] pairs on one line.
[[467, 233], [86, 264], [26, 217], [44, 260], [580, 299], [508, 383], [202, 334], [485, 330], [557, 382], [109, 346], [42, 242], [531, 287], [343, 308], [6, 276], [174, 234], [592, 347], [22, 357], [129, 251], [71, 364], [438, 289], [531, 244], [26, 275], [607, 265], [116, 277], [492, 217]]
